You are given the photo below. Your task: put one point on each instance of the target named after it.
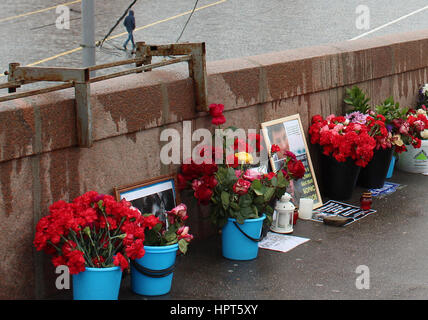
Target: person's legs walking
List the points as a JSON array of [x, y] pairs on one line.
[[131, 35], [127, 40]]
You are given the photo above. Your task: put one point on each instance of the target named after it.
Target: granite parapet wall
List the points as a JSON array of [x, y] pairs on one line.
[[40, 161]]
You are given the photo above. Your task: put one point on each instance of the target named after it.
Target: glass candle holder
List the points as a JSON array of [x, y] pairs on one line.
[[366, 200]]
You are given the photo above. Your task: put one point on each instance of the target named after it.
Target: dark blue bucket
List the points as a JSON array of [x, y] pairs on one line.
[[241, 241], [97, 284], [152, 274]]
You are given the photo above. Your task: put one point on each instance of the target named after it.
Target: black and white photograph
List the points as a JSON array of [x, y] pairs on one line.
[[155, 196]]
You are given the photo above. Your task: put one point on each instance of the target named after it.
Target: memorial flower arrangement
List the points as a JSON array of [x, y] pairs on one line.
[[389, 124], [409, 129], [343, 138], [94, 230], [170, 231], [415, 125], [226, 181]]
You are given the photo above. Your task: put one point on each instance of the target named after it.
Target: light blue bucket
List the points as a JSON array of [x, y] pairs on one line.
[[97, 284], [236, 242], [152, 274], [391, 167]]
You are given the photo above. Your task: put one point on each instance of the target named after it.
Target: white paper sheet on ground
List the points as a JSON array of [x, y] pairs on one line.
[[281, 242]]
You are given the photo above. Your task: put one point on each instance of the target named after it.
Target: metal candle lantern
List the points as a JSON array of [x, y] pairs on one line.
[[283, 223]]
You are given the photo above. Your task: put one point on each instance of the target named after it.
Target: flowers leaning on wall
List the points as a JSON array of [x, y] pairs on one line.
[[227, 181], [404, 126]]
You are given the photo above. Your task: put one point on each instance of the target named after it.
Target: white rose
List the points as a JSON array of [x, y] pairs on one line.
[[424, 134], [425, 88], [421, 111], [397, 140]]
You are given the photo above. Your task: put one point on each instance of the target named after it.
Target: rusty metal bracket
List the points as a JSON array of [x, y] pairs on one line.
[[80, 78], [77, 77], [197, 64]]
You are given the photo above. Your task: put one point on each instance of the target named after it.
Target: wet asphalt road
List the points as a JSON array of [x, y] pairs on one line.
[[230, 28]]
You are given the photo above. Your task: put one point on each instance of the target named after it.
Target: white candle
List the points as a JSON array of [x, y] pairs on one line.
[[305, 208]]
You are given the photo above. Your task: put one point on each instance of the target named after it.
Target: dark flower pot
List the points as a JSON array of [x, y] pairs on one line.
[[374, 174], [338, 178]]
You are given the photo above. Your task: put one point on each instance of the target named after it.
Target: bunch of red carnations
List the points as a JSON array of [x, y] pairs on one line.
[[94, 230], [343, 139]]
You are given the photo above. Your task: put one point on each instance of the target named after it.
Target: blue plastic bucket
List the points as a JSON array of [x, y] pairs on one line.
[[155, 276], [391, 168], [97, 284], [235, 244]]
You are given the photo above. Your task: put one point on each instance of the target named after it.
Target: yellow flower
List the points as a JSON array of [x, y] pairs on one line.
[[244, 157]]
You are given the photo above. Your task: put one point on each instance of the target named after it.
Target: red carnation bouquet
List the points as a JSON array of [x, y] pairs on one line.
[[94, 230], [343, 139], [232, 187]]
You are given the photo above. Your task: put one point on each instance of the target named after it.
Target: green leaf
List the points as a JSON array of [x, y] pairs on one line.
[[182, 245], [231, 177], [245, 200], [274, 181], [157, 227], [241, 217], [356, 98], [235, 206], [170, 236], [268, 210], [225, 199], [255, 211], [269, 193], [259, 200]]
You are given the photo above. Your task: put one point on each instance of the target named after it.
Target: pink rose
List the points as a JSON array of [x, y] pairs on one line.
[[404, 128], [180, 211], [419, 124], [338, 127], [324, 129], [183, 233], [241, 186], [330, 117], [252, 175]]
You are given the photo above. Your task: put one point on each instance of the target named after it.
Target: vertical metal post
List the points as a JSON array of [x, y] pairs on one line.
[[198, 71], [10, 75], [142, 52], [88, 34], [139, 54], [82, 91]]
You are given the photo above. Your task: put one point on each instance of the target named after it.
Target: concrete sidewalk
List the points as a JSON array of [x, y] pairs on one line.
[[392, 243]]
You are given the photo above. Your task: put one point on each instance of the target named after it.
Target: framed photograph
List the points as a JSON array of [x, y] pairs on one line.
[[288, 134], [152, 196]]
